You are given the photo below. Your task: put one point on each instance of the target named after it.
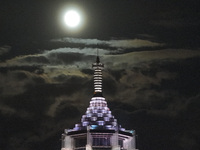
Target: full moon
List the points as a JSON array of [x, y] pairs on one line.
[[72, 18]]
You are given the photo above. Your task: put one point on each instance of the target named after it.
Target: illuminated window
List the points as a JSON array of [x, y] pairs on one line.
[[108, 126], [100, 115], [106, 118], [85, 123], [94, 118], [114, 123], [94, 111], [101, 141], [103, 111], [89, 115], [101, 123]]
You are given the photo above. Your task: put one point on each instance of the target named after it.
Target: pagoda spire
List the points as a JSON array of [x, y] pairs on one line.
[[98, 129], [98, 67]]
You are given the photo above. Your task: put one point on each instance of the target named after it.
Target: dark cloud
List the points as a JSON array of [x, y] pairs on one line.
[[88, 71], [4, 49], [117, 74], [66, 58], [24, 68], [165, 108], [36, 110], [66, 109], [153, 126], [36, 59], [187, 77], [109, 86]]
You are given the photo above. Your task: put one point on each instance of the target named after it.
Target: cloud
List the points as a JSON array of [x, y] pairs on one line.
[[81, 41], [83, 57], [62, 56], [133, 43], [6, 110], [63, 64], [126, 43], [25, 60], [4, 49], [62, 107], [159, 86], [133, 59], [85, 51], [14, 82]]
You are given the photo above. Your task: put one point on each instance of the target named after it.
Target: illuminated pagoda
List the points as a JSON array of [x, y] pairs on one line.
[[98, 129]]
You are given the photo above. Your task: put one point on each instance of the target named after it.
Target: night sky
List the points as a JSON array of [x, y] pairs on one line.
[[151, 80]]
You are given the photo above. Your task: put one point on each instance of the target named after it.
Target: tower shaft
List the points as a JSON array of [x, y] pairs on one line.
[[98, 67]]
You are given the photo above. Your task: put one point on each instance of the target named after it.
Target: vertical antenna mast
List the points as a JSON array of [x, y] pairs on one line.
[[97, 60]]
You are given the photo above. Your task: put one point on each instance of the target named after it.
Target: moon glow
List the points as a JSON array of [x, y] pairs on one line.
[[72, 18]]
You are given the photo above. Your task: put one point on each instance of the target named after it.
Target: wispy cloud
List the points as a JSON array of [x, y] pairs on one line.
[[137, 58], [80, 41], [4, 49], [133, 43], [82, 58], [125, 43], [6, 109], [61, 56], [85, 51]]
